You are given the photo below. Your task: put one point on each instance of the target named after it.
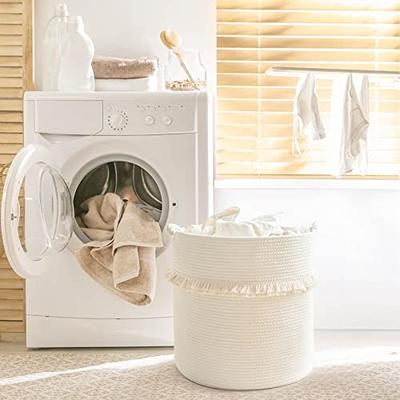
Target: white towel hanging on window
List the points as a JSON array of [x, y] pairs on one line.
[[350, 121], [307, 121]]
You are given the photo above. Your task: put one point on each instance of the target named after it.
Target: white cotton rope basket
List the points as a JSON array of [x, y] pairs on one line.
[[243, 309]]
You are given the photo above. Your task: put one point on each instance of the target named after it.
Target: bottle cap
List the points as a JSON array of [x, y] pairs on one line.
[[75, 23], [62, 10]]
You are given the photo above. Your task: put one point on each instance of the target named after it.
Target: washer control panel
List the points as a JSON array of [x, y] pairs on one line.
[[162, 114]]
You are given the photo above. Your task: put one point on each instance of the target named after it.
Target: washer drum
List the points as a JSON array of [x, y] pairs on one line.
[[243, 310]]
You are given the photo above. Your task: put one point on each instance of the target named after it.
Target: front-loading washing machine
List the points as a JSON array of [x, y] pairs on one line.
[[157, 145]]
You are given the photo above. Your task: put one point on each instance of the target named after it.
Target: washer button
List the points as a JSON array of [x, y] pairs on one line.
[[149, 120], [167, 120]]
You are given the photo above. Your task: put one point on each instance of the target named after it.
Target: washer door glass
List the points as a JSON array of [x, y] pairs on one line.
[[37, 212], [146, 188]]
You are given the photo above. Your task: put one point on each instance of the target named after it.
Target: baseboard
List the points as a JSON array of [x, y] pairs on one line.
[[49, 332]]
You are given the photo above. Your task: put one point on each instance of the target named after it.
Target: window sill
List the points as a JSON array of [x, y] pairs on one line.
[[305, 184]]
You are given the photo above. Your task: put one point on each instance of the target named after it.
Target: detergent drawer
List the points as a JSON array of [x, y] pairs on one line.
[[69, 117]]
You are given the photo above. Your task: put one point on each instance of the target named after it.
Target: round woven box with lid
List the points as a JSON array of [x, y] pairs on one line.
[[243, 310]]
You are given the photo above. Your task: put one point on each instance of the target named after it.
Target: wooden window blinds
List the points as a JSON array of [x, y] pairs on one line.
[[254, 122], [15, 77]]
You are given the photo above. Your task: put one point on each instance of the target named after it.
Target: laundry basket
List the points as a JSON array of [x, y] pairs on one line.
[[243, 310]]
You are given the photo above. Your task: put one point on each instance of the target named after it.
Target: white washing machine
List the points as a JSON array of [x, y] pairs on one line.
[[78, 145]]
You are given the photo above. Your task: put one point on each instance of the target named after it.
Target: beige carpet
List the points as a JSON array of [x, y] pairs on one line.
[[367, 374]]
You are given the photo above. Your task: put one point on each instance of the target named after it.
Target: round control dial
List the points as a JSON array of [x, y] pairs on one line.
[[117, 120]]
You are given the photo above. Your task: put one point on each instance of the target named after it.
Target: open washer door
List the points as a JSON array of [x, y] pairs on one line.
[[36, 211]]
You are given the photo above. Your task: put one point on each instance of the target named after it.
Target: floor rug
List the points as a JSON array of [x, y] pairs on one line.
[[362, 374]]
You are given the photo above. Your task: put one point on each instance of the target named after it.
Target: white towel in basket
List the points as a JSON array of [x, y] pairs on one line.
[[224, 224]]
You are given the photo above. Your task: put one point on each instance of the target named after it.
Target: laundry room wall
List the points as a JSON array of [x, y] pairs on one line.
[[357, 253], [131, 28]]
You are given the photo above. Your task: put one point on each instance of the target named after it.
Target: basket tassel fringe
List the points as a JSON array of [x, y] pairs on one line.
[[249, 289]]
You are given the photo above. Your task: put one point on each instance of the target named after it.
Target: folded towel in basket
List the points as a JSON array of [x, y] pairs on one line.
[[121, 255], [224, 224], [123, 68]]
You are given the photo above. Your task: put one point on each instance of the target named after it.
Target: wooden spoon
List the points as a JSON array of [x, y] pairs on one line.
[[173, 40]]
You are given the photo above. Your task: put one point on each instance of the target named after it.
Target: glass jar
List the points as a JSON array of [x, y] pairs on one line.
[[176, 77]]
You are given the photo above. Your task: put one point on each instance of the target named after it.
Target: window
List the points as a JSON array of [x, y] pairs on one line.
[[255, 109]]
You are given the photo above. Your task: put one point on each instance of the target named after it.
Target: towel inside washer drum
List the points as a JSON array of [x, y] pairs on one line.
[[146, 188], [100, 180]]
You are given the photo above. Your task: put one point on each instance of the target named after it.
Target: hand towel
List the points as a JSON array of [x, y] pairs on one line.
[[123, 68], [350, 121], [121, 255], [307, 121]]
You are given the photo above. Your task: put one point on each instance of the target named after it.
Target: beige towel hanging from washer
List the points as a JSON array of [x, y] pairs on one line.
[[122, 253]]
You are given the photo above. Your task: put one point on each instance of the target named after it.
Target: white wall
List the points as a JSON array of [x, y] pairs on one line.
[[357, 250], [131, 27]]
